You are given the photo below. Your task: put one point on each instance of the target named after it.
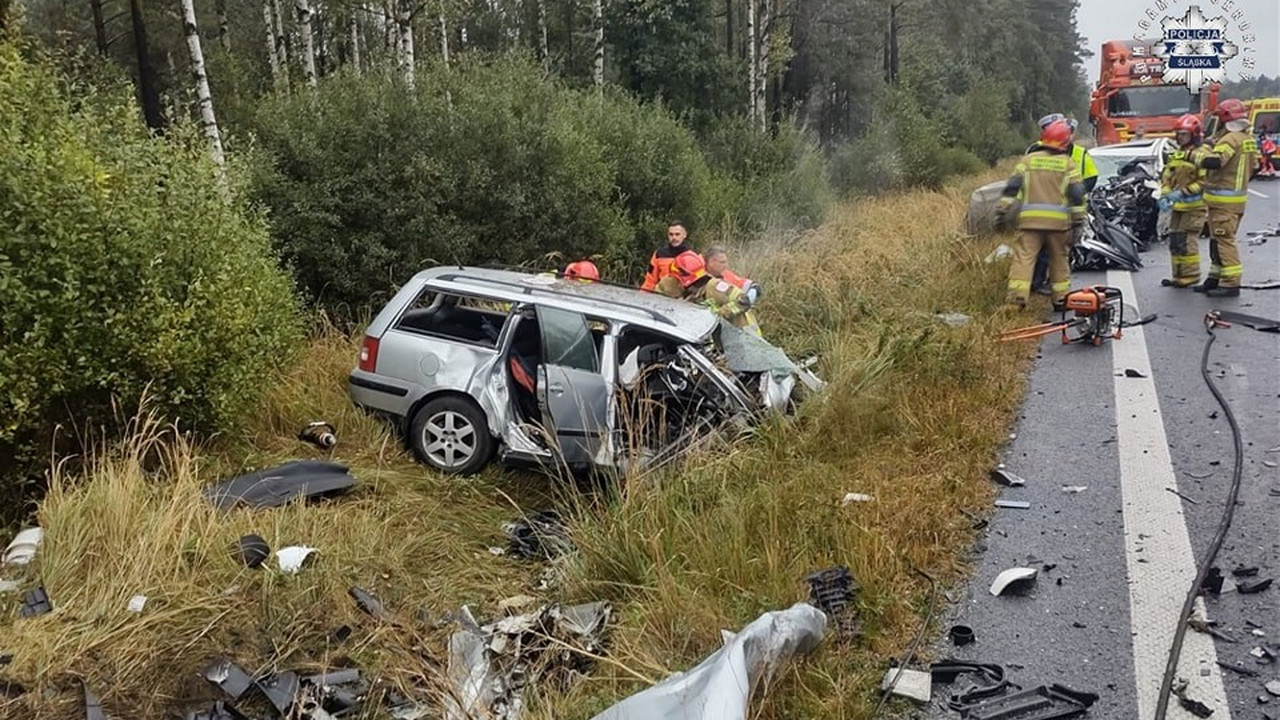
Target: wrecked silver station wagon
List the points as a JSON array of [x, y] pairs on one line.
[[472, 362]]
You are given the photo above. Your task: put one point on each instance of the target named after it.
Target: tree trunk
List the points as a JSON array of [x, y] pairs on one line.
[[224, 25], [272, 58], [390, 42], [148, 91], [728, 28], [205, 100], [753, 60], [543, 51], [597, 24], [444, 40], [282, 44], [99, 26], [762, 77], [404, 21], [303, 9], [355, 41]]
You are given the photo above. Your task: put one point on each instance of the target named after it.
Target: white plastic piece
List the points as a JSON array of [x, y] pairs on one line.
[[1001, 251], [1010, 576], [8, 586], [136, 603], [23, 547], [856, 497], [291, 558], [1074, 488], [911, 684]]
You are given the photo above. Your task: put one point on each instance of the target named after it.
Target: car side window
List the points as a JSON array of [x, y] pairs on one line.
[[567, 340], [462, 318]]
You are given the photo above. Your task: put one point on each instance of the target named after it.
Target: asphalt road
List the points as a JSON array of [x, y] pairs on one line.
[[1115, 560]]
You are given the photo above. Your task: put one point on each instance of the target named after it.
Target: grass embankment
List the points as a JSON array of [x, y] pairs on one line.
[[915, 414]]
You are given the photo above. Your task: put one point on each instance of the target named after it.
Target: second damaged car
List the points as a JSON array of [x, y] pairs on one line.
[[477, 363]]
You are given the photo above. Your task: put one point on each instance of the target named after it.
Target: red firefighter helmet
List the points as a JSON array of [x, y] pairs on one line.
[[1189, 124], [689, 267], [1229, 110], [584, 270], [1056, 134]]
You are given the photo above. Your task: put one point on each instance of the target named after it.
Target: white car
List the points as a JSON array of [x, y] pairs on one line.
[[1109, 159]]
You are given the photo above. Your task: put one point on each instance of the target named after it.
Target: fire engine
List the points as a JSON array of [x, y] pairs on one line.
[[1132, 98]]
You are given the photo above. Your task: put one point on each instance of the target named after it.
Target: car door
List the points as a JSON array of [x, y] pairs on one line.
[[572, 392]]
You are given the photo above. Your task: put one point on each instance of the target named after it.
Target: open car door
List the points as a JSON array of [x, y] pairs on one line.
[[573, 395]]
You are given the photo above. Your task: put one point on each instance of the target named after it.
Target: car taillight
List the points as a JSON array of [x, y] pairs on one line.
[[369, 354]]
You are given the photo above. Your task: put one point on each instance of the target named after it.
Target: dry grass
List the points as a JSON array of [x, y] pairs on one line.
[[914, 417]]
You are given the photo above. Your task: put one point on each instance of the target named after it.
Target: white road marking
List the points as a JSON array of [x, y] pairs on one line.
[[1157, 547], [1255, 192]]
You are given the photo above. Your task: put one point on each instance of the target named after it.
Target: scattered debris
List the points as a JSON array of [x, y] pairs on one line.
[[1072, 489], [1259, 632], [961, 635], [23, 547], [252, 550], [1002, 251], [833, 591], [273, 487], [1042, 703], [1273, 687], [542, 536], [35, 602], [293, 557], [1199, 475], [1252, 588], [1131, 373], [92, 705], [946, 671], [1243, 571], [8, 586], [229, 677], [1189, 499], [1213, 582], [855, 497], [1238, 668], [280, 689], [136, 603], [1012, 576], [908, 683], [1208, 628], [1013, 504], [368, 603], [953, 319], [716, 687], [1004, 477], [1264, 652], [490, 666], [1271, 463], [319, 433]]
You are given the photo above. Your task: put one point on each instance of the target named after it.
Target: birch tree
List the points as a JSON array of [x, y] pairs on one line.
[[208, 121], [355, 40], [273, 59], [303, 8], [543, 51], [597, 24], [282, 45], [760, 103], [753, 61], [404, 25]]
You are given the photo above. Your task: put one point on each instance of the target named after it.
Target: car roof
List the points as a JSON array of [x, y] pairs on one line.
[[680, 319], [1145, 146]]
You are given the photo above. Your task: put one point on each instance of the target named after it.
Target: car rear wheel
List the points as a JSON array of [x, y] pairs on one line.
[[451, 435]]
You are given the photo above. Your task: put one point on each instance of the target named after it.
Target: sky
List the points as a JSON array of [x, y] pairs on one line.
[[1100, 20]]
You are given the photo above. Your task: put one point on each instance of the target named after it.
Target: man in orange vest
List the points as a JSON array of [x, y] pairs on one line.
[[662, 263]]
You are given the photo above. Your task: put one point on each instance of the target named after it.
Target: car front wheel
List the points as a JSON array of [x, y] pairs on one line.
[[451, 435]]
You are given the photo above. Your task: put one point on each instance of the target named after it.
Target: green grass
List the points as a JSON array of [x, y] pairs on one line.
[[915, 414]]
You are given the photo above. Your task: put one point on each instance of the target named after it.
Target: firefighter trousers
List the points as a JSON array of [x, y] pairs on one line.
[[1057, 244], [1184, 249], [1224, 254]]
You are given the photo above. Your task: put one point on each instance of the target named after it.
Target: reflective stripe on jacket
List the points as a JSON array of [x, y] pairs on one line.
[[1183, 173], [1047, 184], [1228, 184]]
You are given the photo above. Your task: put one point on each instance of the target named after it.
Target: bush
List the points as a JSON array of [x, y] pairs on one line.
[[494, 162], [125, 269]]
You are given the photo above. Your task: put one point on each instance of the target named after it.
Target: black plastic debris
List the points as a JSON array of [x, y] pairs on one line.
[[833, 591], [272, 487], [1252, 588], [252, 550], [947, 671], [541, 536], [1195, 707], [961, 635], [280, 689], [6, 658], [35, 602], [1213, 582], [367, 602], [1047, 702], [219, 711], [340, 634], [319, 433], [1244, 571], [92, 705], [1131, 373], [1237, 668], [229, 677], [1004, 477]]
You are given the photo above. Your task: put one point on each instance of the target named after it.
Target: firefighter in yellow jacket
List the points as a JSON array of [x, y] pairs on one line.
[[1047, 195], [1182, 188], [1230, 164], [691, 281]]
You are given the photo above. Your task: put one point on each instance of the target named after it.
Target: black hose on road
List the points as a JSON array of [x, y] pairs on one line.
[[1171, 668]]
